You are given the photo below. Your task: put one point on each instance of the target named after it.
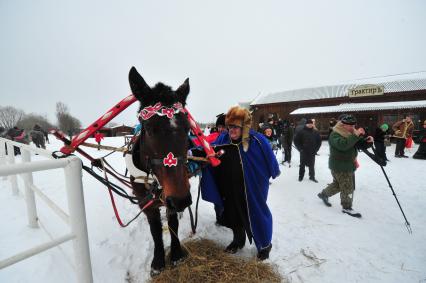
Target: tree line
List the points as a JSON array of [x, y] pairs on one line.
[[13, 117]]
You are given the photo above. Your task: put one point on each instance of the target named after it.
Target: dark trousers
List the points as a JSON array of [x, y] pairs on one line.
[[307, 160], [381, 150], [400, 145], [287, 153]]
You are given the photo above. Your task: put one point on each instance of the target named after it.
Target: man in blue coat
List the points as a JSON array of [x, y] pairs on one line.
[[240, 184]]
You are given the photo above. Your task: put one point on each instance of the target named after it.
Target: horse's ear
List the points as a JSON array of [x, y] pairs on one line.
[[183, 91], [137, 84]]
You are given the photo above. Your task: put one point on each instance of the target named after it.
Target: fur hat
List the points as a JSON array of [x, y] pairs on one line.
[[348, 119], [241, 117], [309, 121], [220, 121]]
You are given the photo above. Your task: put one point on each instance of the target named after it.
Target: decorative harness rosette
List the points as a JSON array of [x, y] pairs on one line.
[[160, 110]]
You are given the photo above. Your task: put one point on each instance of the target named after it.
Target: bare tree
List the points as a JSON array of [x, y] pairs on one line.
[[10, 116], [66, 122], [29, 120], [61, 109]]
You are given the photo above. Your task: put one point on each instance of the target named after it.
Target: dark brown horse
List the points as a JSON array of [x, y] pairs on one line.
[[161, 151]]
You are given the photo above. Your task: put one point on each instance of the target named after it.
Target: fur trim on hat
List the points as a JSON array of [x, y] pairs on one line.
[[341, 130], [241, 117]]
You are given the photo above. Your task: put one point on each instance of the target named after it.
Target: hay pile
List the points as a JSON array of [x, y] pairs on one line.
[[207, 262]]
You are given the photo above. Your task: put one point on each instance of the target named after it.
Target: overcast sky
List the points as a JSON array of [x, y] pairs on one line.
[[80, 52]]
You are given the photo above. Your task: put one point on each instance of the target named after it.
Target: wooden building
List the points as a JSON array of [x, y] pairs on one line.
[[372, 102], [116, 131]]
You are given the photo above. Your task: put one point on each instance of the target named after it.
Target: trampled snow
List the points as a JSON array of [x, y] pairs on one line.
[[311, 242]]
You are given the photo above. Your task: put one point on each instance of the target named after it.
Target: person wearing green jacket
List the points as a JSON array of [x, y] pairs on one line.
[[342, 162]]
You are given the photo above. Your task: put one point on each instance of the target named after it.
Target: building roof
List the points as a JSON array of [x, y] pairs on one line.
[[357, 107], [416, 82]]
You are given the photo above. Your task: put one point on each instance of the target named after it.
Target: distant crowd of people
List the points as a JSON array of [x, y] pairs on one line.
[[239, 186], [37, 135]]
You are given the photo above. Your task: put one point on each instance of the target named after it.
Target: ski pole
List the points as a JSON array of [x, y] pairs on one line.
[[407, 224]]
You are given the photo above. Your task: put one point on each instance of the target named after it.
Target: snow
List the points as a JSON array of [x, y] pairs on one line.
[[311, 242]]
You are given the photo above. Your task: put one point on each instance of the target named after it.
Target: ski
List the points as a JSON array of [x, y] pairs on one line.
[[353, 214]]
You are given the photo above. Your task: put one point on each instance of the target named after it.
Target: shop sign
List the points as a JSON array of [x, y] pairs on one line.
[[366, 90]]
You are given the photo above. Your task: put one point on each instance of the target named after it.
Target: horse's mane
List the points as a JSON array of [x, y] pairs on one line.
[[160, 93]]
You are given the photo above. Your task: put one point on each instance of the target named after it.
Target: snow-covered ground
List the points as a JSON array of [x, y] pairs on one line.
[[311, 242]]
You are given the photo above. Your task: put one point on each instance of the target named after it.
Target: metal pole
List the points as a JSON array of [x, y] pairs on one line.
[[11, 159], [29, 193], [74, 187], [407, 224]]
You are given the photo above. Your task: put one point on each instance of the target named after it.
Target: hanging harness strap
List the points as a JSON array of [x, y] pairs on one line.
[[194, 223]]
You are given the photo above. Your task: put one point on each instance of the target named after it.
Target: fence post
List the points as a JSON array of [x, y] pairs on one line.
[[3, 155], [74, 187], [29, 193], [11, 159]]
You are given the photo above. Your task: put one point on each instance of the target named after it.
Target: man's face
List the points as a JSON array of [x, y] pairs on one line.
[[349, 128], [221, 128], [310, 126], [234, 132], [268, 132], [408, 119]]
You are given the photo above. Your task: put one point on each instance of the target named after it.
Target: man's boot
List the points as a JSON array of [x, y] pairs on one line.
[[238, 242]]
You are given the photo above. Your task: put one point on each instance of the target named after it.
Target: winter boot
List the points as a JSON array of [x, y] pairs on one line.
[[238, 242], [324, 199], [313, 179], [264, 253], [351, 212]]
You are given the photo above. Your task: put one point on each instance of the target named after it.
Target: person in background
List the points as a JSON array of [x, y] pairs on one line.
[[307, 142], [98, 138], [2, 131], [315, 125], [344, 142], [402, 130], [268, 134], [287, 141], [18, 135], [137, 128], [207, 131], [421, 139], [240, 184], [379, 141], [38, 137], [300, 125], [331, 123]]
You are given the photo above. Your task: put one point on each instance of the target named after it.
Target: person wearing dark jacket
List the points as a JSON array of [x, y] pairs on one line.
[[307, 142], [286, 141], [421, 138], [240, 184], [379, 141]]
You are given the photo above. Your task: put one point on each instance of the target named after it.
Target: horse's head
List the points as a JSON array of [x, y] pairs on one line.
[[164, 137]]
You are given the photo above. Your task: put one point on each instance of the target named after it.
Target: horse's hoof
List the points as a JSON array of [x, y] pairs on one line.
[[175, 260], [154, 272], [175, 263], [233, 247]]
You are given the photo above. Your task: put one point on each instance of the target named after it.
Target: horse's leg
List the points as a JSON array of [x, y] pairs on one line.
[[158, 262], [176, 252]]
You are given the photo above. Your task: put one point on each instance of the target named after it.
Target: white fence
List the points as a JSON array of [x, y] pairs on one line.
[[76, 219]]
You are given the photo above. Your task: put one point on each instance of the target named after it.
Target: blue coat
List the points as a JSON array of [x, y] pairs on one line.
[[259, 165]]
